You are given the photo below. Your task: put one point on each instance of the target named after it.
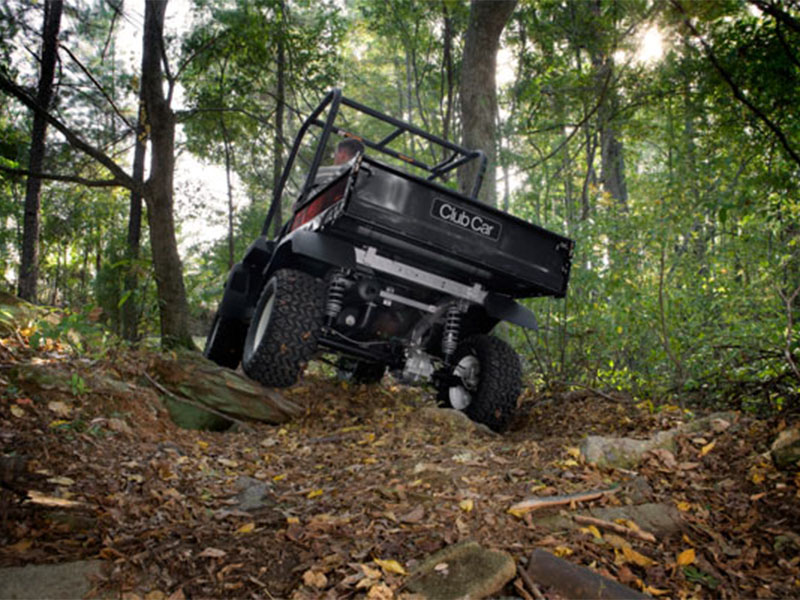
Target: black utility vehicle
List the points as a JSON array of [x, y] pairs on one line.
[[385, 265]]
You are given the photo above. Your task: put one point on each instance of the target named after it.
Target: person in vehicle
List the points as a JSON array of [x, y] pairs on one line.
[[345, 152], [347, 149]]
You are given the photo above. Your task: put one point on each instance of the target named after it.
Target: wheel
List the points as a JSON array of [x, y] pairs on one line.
[[225, 342], [484, 381], [359, 371], [282, 336]]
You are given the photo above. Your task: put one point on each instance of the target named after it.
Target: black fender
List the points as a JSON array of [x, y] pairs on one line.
[[504, 308], [245, 281], [312, 252]]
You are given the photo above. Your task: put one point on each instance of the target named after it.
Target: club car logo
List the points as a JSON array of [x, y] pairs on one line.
[[466, 219]]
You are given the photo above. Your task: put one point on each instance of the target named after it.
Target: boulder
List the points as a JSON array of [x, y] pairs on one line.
[[785, 450], [626, 453], [56, 582], [464, 570]]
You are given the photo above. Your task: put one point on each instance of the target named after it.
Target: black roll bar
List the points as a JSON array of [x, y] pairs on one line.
[[333, 100]]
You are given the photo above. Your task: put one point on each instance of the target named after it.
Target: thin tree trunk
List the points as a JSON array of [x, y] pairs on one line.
[[130, 309], [173, 307], [228, 165], [277, 143], [29, 266], [487, 18]]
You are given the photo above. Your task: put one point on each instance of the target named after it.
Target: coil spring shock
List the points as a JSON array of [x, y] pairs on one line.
[[336, 289], [452, 325]]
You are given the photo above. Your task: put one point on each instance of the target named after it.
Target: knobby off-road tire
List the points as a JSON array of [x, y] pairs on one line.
[[490, 381], [283, 334], [359, 371], [225, 342]]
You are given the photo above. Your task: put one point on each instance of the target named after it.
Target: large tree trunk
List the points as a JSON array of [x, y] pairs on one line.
[[29, 267], [487, 18], [173, 307]]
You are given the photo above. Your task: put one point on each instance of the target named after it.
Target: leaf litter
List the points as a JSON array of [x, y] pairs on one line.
[[365, 486]]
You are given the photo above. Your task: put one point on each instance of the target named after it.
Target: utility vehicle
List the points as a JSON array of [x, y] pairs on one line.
[[385, 265]]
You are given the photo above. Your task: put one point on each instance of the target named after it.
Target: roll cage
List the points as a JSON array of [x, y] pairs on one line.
[[333, 101]]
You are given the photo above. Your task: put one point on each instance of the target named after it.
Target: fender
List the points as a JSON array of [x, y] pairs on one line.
[[245, 281], [313, 251], [506, 309]]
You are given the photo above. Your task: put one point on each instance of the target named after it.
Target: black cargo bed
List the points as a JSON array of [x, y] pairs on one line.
[[432, 227]]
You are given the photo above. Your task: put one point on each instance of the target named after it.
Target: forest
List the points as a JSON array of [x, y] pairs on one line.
[[140, 143], [661, 136]]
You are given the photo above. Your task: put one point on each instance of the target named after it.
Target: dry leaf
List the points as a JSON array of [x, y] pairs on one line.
[[686, 557], [60, 408], [380, 591], [65, 481], [155, 595], [707, 448], [21, 546], [414, 516], [390, 566], [683, 506], [466, 505], [315, 579], [654, 591], [562, 551], [314, 494], [246, 528], [574, 452], [17, 411], [633, 556], [212, 553], [593, 530]]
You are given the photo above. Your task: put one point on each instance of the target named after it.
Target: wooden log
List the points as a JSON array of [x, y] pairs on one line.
[[575, 581], [537, 502], [191, 377], [616, 528]]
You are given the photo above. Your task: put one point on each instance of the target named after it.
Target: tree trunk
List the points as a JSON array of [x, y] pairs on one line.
[[277, 144], [228, 166], [130, 309], [487, 18], [29, 266], [172, 304]]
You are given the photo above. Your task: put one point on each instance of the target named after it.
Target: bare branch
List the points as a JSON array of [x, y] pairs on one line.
[[737, 91], [93, 183], [10, 87], [97, 85]]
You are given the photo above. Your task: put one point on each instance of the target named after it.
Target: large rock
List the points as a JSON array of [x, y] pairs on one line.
[[463, 570], [627, 452], [65, 581], [785, 449]]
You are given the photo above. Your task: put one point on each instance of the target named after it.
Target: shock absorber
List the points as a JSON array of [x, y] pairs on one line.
[[336, 289], [452, 325]]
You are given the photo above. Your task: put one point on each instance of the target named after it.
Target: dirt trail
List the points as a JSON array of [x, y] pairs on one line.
[[368, 472]]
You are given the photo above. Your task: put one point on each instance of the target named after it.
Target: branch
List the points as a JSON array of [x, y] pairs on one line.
[[92, 183], [737, 91], [777, 14], [97, 85], [125, 180], [787, 351]]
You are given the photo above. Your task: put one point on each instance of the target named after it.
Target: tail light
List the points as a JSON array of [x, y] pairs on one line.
[[321, 203]]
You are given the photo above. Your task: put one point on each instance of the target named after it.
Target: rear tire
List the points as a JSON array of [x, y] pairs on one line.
[[225, 342], [489, 381], [283, 333]]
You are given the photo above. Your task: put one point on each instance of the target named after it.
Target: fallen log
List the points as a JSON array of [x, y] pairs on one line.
[[538, 502], [616, 528], [574, 581], [202, 395]]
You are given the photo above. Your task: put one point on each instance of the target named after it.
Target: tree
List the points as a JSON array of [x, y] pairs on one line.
[[487, 19], [29, 267]]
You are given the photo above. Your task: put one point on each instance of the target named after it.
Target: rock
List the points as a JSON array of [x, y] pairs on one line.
[[659, 519], [627, 452], [64, 581], [575, 581], [785, 449], [464, 570], [453, 419], [253, 494]]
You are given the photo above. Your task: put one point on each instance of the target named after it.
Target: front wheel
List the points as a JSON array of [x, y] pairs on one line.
[[283, 333], [484, 381]]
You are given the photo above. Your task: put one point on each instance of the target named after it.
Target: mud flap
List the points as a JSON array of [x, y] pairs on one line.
[[506, 309]]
